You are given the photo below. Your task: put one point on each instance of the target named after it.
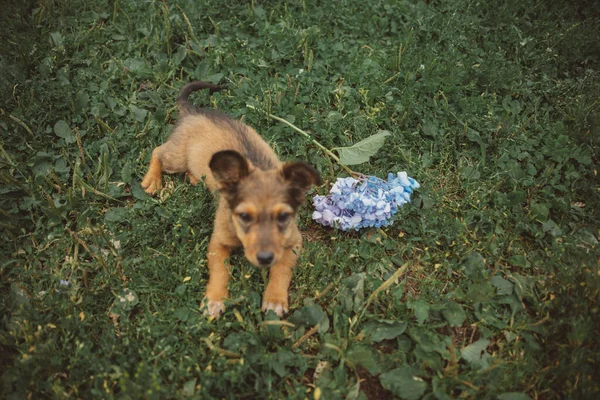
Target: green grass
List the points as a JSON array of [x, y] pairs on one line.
[[493, 108]]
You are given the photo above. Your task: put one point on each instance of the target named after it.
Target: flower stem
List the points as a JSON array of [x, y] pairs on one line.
[[319, 145]]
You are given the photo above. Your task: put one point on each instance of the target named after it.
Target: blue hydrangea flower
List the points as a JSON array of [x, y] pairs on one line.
[[364, 202]]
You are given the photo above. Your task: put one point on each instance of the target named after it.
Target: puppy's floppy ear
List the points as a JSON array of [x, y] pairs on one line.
[[228, 168], [300, 177]]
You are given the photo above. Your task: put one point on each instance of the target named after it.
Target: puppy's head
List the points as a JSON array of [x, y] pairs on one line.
[[263, 203]]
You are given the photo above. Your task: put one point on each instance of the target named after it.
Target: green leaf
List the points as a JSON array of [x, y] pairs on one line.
[[117, 214], [403, 383], [474, 266], [470, 173], [310, 315], [454, 314], [430, 128], [189, 388], [179, 56], [333, 117], [354, 392], [513, 396], [519, 260], [540, 211], [421, 309], [62, 130], [138, 192], [259, 12], [214, 78], [138, 67], [474, 136], [552, 228], [365, 357], [516, 197], [363, 150], [352, 292], [182, 313], [503, 286], [126, 173], [139, 113], [56, 38], [82, 100], [430, 340], [42, 164], [522, 285], [385, 330], [126, 300], [476, 355]]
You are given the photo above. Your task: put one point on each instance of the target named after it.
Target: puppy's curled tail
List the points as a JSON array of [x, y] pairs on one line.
[[187, 108]]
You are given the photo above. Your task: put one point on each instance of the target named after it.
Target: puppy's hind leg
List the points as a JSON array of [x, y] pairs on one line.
[[170, 157], [152, 181]]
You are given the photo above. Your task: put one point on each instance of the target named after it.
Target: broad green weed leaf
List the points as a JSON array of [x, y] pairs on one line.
[[516, 197], [363, 150], [333, 117], [454, 314], [126, 173], [352, 292], [61, 167], [403, 383], [189, 388], [56, 38], [522, 284], [214, 78], [62, 130], [117, 214], [430, 128], [421, 309], [259, 12], [430, 358], [519, 260], [138, 67], [354, 392], [513, 396], [385, 330], [476, 354], [552, 228], [310, 315], [125, 301], [138, 192], [82, 100], [474, 266], [180, 55], [182, 313], [503, 286], [540, 211], [366, 357], [470, 173], [474, 136], [139, 113], [441, 388], [515, 170], [42, 163]]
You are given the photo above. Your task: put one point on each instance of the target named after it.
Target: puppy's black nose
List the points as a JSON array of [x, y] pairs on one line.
[[265, 257]]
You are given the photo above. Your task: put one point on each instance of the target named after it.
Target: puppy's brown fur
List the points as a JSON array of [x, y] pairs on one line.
[[258, 199]]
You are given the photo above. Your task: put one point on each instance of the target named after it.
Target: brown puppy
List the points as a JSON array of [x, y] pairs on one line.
[[258, 198]]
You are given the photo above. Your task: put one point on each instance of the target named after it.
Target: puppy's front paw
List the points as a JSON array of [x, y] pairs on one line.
[[279, 304], [213, 308]]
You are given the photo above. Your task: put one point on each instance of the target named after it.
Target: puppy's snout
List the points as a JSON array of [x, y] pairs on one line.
[[265, 257]]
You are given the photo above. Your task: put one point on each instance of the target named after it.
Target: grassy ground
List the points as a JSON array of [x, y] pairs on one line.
[[493, 107]]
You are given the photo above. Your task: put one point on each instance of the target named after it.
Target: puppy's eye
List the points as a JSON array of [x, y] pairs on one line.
[[283, 217], [245, 217]]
